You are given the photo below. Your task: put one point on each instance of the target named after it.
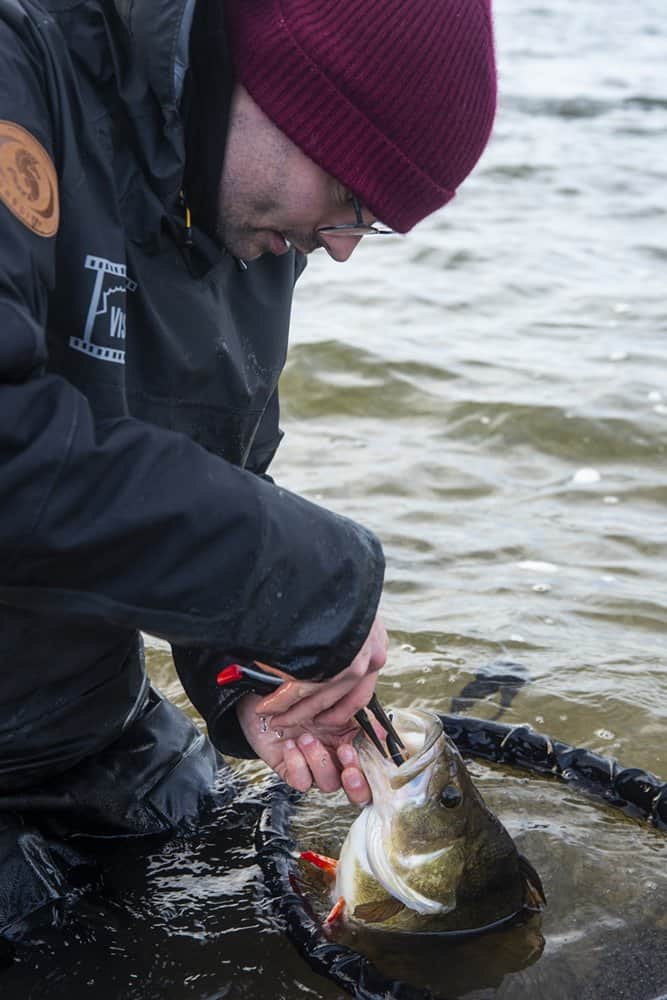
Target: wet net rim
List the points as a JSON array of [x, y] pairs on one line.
[[639, 794]]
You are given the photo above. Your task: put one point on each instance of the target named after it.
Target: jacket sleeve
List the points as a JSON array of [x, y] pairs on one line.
[[123, 523], [197, 667]]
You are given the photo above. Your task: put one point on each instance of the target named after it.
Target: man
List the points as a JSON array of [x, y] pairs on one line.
[[165, 166]]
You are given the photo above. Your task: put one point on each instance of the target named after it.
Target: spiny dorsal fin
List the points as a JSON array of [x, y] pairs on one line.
[[535, 896], [378, 910]]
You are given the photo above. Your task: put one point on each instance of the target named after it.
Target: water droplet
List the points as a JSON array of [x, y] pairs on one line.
[[610, 499], [515, 637], [396, 684], [542, 588], [427, 669], [408, 648], [604, 734], [539, 719]]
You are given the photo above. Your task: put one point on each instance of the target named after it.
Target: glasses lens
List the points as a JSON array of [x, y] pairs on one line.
[[353, 230]]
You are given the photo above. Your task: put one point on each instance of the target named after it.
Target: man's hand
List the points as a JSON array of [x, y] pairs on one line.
[[304, 729], [331, 703], [304, 758]]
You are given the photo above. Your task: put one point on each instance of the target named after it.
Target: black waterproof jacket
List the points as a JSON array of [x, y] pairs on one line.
[[138, 407]]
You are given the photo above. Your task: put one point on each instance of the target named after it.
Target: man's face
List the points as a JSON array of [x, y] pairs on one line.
[[272, 194]]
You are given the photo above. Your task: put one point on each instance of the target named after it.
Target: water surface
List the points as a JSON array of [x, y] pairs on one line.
[[489, 395]]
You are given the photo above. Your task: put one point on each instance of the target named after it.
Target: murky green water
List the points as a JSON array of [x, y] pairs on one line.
[[490, 396]]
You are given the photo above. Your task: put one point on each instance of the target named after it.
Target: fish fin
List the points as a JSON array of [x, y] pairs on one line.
[[327, 865], [336, 912], [535, 896], [378, 910]]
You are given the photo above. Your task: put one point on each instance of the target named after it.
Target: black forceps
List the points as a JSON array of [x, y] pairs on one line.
[[394, 742], [262, 682]]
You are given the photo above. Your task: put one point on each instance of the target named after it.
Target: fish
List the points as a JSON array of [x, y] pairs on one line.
[[427, 854]]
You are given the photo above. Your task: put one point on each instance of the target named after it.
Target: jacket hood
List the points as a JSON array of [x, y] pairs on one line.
[[160, 30], [183, 50]]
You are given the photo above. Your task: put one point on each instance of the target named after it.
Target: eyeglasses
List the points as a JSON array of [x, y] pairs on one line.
[[356, 228]]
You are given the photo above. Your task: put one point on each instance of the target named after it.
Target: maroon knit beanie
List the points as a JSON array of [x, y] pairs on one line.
[[393, 98]]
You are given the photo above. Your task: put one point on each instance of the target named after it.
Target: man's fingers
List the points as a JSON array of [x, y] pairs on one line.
[[338, 714], [355, 786], [352, 777], [322, 697], [294, 768], [303, 759], [323, 766], [308, 762], [333, 705], [288, 694], [295, 691]]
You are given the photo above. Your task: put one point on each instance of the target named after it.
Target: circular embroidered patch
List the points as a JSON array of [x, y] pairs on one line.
[[28, 180]]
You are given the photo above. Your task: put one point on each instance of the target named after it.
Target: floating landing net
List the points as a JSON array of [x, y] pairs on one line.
[[637, 793]]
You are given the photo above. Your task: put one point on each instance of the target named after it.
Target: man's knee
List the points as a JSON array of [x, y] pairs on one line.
[[33, 878]]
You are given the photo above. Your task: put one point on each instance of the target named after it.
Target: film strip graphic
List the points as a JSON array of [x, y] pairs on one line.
[[110, 280]]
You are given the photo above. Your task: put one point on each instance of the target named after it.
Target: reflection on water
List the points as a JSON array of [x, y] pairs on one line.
[[489, 395]]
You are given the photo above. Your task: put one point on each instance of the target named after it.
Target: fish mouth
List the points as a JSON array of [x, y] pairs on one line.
[[424, 739]]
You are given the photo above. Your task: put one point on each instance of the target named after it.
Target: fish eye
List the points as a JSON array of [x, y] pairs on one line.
[[451, 797]]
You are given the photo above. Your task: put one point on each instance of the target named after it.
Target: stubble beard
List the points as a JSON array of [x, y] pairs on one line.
[[236, 235], [244, 222], [247, 242]]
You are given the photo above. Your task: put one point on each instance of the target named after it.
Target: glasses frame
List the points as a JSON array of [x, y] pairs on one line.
[[357, 228]]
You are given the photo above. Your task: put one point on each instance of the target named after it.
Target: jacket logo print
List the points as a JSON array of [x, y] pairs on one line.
[[28, 181], [104, 333]]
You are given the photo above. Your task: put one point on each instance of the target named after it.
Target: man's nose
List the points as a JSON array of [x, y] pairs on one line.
[[340, 248]]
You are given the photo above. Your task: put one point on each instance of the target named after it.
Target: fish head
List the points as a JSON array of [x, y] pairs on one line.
[[422, 802], [427, 852]]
